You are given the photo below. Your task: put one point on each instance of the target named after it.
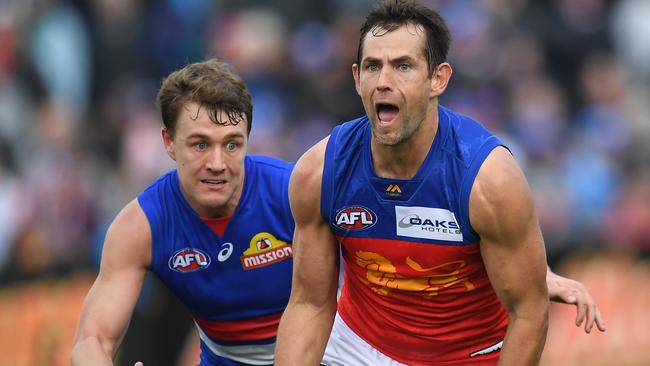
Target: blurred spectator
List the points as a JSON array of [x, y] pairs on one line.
[[591, 180], [117, 32], [60, 52], [59, 211], [539, 117], [596, 139], [173, 29], [569, 30], [602, 110], [631, 32]]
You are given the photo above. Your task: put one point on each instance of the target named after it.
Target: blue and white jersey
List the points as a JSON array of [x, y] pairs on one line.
[[236, 286]]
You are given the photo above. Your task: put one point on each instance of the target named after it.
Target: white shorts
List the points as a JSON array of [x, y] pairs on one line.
[[346, 348]]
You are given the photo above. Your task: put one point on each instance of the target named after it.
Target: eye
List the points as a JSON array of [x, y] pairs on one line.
[[372, 67], [404, 67], [201, 146], [231, 146]]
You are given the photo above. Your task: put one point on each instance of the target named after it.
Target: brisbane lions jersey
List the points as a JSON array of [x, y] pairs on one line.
[[236, 285], [415, 286]]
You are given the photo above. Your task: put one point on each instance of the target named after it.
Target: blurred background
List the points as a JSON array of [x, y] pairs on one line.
[[566, 83]]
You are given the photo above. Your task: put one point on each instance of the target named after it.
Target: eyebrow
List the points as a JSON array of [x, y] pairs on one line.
[[402, 59], [231, 135], [397, 60], [235, 135]]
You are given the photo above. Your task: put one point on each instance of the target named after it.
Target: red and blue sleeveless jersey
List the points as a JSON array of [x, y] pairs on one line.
[[415, 286], [237, 285]]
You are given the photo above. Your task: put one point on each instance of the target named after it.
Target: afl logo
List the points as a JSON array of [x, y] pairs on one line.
[[189, 260], [355, 218]]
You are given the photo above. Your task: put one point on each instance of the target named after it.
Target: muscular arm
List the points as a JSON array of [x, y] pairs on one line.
[[107, 309], [307, 320], [502, 213]]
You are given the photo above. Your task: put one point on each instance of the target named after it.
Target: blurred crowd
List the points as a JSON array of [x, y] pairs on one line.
[[566, 83]]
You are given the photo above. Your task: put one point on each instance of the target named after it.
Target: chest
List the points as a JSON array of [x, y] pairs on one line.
[[246, 270]]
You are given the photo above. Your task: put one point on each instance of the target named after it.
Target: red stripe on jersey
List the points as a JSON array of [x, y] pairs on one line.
[[421, 303], [252, 329]]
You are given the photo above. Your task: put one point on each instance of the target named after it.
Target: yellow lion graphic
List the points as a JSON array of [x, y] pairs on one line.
[[382, 276]]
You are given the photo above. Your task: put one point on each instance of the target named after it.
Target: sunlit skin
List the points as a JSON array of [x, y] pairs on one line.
[[210, 160], [394, 72]]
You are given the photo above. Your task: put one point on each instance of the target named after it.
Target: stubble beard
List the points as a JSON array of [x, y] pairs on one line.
[[405, 131]]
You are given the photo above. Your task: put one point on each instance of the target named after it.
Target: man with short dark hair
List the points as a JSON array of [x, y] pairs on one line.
[[443, 257]]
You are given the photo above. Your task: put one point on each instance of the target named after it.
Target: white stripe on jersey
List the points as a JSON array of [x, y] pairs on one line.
[[255, 354]]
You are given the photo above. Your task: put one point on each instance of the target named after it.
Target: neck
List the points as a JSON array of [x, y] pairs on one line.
[[223, 211], [403, 160]]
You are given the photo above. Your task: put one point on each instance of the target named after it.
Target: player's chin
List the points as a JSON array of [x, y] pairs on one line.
[[388, 138], [213, 199]]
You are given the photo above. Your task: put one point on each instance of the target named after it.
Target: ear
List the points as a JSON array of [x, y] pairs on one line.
[[168, 141], [355, 75], [440, 79]]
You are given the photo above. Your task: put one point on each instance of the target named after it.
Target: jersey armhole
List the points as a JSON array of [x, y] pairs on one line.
[[147, 207], [327, 184], [286, 205], [470, 176]]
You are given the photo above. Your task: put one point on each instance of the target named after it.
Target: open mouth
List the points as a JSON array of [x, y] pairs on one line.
[[213, 182], [387, 112]]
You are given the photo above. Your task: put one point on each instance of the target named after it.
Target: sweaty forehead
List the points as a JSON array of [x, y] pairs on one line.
[[406, 40], [195, 118]]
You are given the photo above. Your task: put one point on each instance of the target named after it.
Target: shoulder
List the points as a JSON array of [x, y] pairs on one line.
[[309, 168], [305, 184], [129, 235], [500, 198]]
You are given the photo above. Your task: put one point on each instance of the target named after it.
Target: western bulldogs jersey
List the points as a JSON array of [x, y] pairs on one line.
[[415, 286], [237, 285]]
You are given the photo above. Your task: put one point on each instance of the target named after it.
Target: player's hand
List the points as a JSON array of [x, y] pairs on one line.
[[567, 291]]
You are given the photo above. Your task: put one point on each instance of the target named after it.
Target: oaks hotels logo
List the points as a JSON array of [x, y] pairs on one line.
[[427, 223]]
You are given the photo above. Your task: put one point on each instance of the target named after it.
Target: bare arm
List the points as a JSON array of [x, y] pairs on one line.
[[503, 214], [567, 291], [107, 309], [307, 320]]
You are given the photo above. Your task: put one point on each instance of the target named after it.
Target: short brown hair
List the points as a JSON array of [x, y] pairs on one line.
[[393, 14], [212, 85]]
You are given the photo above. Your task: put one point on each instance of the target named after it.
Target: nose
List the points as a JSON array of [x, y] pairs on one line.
[[385, 79], [215, 161]]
